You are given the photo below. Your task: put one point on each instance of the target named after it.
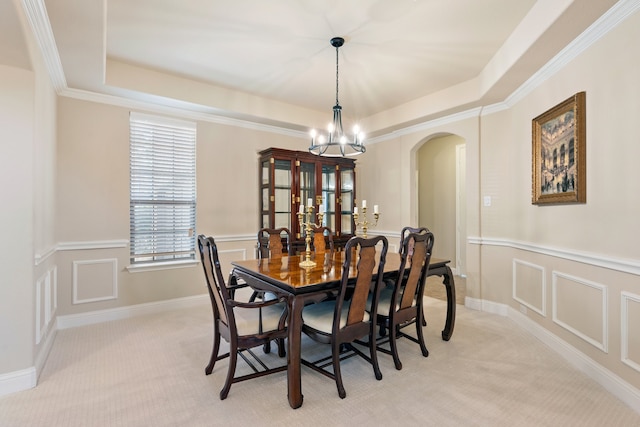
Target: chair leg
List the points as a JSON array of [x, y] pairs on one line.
[[233, 359], [393, 337], [420, 335], [281, 350], [373, 349], [214, 352], [383, 330], [267, 347], [335, 352]]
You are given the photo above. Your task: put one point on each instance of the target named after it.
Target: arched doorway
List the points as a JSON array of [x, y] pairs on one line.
[[440, 167]]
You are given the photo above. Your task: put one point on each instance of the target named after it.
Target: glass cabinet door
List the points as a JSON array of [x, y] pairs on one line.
[[289, 179], [347, 191], [282, 193], [329, 197], [307, 185], [265, 192]]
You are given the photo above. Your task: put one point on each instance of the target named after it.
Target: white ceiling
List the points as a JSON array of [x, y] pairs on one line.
[[403, 60]]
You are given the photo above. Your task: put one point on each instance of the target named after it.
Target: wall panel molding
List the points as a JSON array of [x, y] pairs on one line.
[[603, 289], [625, 330], [541, 309], [78, 266], [46, 302]]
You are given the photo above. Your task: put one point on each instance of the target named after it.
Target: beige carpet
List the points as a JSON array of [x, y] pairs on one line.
[[149, 371]]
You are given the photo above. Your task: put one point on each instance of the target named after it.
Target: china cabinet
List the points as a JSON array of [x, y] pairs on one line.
[[289, 179]]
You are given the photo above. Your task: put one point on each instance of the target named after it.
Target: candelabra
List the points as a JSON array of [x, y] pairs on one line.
[[307, 225], [365, 224]]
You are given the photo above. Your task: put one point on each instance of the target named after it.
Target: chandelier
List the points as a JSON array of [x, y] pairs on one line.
[[336, 143]]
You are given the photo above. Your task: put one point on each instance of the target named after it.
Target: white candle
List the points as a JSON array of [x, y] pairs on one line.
[[301, 208], [364, 204], [375, 209], [355, 210], [309, 202], [321, 209]]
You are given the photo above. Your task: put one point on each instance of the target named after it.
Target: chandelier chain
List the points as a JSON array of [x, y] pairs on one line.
[[337, 80]]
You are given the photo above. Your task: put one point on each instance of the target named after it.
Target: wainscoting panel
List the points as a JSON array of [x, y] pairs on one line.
[[580, 306], [95, 280], [630, 330], [40, 304], [46, 302], [529, 286]]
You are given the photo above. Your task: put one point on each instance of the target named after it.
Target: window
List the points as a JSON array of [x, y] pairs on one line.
[[162, 205]]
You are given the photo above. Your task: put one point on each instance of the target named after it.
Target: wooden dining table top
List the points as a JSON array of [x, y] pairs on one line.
[[285, 271]]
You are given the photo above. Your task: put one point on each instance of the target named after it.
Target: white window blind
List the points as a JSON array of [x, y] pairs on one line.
[[163, 189]]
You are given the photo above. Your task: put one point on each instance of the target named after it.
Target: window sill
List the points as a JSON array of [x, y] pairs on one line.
[[153, 266]]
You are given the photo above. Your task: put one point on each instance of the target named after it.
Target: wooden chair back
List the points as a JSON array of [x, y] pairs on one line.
[[360, 252], [415, 255], [274, 242], [218, 291], [322, 239]]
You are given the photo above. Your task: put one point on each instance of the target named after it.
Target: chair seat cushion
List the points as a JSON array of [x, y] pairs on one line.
[[384, 302], [248, 319], [319, 316]]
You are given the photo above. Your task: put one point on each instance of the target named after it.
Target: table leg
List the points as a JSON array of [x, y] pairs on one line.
[[445, 272], [294, 380]]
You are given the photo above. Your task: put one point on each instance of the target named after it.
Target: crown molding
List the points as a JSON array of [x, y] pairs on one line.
[[36, 13], [38, 19], [603, 25]]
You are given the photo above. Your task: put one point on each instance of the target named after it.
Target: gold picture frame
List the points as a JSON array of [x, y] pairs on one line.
[[559, 153]]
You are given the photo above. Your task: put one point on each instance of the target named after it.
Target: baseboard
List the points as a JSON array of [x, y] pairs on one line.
[[607, 379], [25, 379], [45, 349], [99, 316], [486, 306], [18, 381]]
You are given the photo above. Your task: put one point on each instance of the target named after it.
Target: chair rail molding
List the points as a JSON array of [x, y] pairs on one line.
[[600, 260]]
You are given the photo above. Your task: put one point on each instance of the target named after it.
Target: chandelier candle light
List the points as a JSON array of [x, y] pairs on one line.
[[308, 226], [336, 143], [364, 223]]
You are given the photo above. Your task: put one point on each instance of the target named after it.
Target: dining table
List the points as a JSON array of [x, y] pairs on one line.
[[302, 285]]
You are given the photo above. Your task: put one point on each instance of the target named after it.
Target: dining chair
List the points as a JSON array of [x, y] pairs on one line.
[[322, 239], [342, 321], [401, 305], [403, 235], [244, 325], [274, 242]]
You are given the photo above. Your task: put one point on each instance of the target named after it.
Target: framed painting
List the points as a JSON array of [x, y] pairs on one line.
[[559, 153]]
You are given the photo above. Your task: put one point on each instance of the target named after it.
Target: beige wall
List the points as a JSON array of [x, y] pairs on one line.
[[572, 268], [93, 205], [16, 251], [388, 173], [27, 170], [436, 172]]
